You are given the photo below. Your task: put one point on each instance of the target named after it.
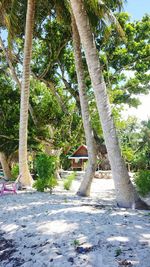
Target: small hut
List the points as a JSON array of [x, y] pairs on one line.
[[79, 158]]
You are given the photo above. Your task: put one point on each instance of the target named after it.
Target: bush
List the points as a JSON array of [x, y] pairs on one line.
[[15, 171], [40, 185], [68, 181], [142, 181], [65, 162], [45, 167]]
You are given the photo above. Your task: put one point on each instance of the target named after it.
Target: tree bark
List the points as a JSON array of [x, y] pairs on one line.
[[26, 178], [125, 192], [5, 165], [84, 189]]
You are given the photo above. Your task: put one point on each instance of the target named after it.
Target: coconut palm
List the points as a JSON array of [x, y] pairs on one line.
[[85, 186], [26, 178], [125, 192], [92, 143]]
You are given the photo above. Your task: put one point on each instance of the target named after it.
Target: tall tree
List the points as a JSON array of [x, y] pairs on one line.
[[85, 186], [26, 178], [125, 192]]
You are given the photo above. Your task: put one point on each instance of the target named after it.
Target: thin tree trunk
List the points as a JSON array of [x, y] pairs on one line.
[[84, 189], [5, 165], [26, 178], [125, 193]]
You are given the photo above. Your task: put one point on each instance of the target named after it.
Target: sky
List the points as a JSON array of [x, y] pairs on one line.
[[137, 8]]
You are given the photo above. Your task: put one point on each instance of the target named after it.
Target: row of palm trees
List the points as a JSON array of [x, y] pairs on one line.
[[82, 38]]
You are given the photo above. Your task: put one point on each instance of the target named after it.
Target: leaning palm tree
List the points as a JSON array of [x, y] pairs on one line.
[[92, 144], [84, 189], [26, 178], [125, 192]]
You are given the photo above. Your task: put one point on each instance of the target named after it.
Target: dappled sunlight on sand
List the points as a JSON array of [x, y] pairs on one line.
[[54, 226], [64, 230]]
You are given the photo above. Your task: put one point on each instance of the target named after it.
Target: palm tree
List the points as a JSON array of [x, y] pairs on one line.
[[92, 140], [85, 186], [26, 178], [125, 192], [84, 189]]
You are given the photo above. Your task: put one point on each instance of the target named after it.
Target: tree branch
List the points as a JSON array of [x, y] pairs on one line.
[[51, 86]]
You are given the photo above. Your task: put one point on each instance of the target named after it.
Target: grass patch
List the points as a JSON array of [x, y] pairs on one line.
[[68, 181]]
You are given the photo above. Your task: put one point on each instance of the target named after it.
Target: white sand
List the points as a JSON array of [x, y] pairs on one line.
[[44, 230]]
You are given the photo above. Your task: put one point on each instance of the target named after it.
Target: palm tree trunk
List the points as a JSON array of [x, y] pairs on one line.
[[125, 193], [84, 189], [5, 165], [26, 178]]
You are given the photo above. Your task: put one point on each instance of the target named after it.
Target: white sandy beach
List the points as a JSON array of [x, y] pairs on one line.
[[63, 230]]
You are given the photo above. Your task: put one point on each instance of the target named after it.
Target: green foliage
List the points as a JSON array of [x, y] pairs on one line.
[[128, 153], [142, 155], [9, 122], [40, 185], [142, 159], [45, 167], [128, 135], [142, 181], [54, 94], [9, 115], [68, 181], [121, 58], [135, 143], [15, 171], [65, 162], [76, 243], [51, 183]]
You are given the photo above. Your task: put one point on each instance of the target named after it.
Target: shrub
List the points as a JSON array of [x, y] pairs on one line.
[[142, 181], [15, 171], [51, 183], [68, 181], [45, 168], [40, 185], [66, 164]]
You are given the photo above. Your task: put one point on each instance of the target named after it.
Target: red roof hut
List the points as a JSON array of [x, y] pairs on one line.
[[79, 158]]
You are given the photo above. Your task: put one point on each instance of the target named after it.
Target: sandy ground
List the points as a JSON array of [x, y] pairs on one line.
[[63, 230]]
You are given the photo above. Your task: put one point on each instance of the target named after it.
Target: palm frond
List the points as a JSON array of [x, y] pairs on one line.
[[103, 10]]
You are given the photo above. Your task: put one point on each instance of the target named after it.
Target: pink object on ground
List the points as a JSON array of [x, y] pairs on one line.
[[8, 187]]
